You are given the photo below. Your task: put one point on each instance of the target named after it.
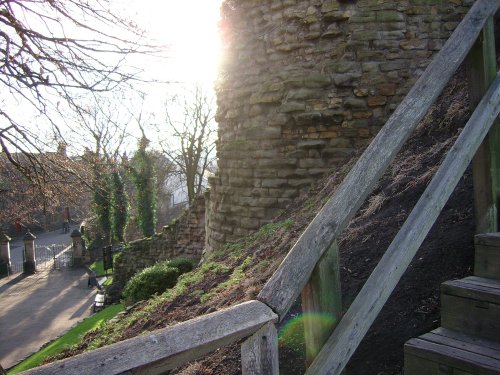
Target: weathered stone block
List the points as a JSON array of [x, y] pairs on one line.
[[268, 97], [362, 114], [365, 35], [304, 94], [330, 6], [274, 182], [267, 132], [317, 80], [308, 118], [303, 182], [277, 162], [355, 103], [311, 163], [374, 101], [312, 144], [414, 44], [292, 107], [389, 16], [347, 79], [386, 89], [394, 65], [337, 16]]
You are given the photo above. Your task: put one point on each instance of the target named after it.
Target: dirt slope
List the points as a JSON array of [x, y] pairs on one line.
[[237, 272]]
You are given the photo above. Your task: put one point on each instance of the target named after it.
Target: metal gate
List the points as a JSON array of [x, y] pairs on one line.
[[55, 256]]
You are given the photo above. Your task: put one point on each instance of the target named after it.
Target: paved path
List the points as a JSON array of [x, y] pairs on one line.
[[38, 308]]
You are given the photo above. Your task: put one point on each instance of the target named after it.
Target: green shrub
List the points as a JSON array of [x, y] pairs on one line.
[[117, 258], [151, 280], [184, 265]]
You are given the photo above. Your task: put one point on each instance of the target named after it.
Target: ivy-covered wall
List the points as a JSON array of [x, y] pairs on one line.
[[184, 237]]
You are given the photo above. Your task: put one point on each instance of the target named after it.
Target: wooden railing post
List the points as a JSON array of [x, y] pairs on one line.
[[259, 353], [482, 70], [322, 302]]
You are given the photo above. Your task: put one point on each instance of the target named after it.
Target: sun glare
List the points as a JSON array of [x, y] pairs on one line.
[[190, 31]]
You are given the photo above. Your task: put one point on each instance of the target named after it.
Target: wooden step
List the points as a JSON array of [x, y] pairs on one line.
[[487, 259], [472, 306], [444, 351]]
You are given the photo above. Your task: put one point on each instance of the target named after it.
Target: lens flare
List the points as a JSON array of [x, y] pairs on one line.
[[291, 334]]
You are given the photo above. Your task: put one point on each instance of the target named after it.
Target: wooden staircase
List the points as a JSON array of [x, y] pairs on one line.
[[469, 340]]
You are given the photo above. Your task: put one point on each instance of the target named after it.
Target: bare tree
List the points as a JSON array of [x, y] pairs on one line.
[[40, 203], [102, 128], [190, 131], [51, 53]]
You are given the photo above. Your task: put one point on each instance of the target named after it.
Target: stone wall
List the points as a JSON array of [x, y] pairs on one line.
[[303, 84], [183, 237]]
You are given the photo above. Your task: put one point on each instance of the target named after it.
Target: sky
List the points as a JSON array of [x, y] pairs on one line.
[[189, 32], [189, 28]]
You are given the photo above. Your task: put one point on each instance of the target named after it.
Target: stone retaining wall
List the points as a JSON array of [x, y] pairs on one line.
[[303, 84], [183, 237]]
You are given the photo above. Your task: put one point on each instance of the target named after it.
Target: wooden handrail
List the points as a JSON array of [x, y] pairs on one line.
[[169, 347], [287, 282], [377, 289]]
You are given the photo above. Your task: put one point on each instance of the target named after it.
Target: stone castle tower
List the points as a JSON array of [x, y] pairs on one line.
[[303, 84]]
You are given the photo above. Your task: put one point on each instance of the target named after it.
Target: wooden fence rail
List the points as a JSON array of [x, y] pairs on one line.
[[169, 347]]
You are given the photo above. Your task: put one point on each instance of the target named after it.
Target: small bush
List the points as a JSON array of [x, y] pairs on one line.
[[117, 258], [151, 280], [182, 264]]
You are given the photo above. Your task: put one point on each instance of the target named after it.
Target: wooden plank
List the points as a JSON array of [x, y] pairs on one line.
[[469, 316], [482, 67], [453, 342], [322, 302], [169, 347], [259, 353], [490, 283], [474, 340], [487, 261], [354, 325], [473, 287], [292, 275], [451, 358], [418, 366], [488, 239]]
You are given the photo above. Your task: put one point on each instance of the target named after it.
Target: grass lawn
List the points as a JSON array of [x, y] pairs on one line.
[[98, 267], [70, 338]]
